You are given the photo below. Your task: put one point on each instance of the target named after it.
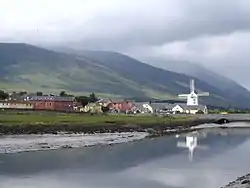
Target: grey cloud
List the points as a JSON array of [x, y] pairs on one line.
[[227, 55], [135, 23], [157, 26], [137, 28]]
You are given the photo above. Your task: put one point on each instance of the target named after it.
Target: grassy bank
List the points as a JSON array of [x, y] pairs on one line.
[[52, 118], [14, 122]]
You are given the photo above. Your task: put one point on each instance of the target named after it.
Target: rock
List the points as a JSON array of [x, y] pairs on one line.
[[66, 146], [45, 147], [245, 182], [240, 182]]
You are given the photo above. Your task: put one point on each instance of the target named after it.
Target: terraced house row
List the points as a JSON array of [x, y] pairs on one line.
[[65, 104], [55, 103], [69, 104]]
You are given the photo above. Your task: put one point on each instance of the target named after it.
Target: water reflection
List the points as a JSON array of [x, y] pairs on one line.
[[215, 157], [191, 142]]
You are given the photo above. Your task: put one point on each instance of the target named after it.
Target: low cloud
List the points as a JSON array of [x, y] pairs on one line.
[[210, 32]]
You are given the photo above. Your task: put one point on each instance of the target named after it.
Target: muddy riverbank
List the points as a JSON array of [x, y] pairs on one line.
[[22, 143], [20, 138], [109, 127]]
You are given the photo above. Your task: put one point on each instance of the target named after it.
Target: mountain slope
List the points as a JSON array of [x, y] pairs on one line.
[[121, 63], [232, 89], [32, 68], [197, 71]]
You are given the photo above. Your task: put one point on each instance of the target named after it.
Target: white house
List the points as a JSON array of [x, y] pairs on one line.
[[15, 105], [184, 108], [170, 108], [143, 108]]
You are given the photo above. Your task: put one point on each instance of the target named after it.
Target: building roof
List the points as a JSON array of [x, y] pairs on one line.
[[140, 103], [161, 106], [49, 98], [14, 102], [169, 106], [120, 102], [104, 101]]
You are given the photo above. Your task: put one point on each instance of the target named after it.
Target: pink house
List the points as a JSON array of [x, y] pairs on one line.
[[123, 106]]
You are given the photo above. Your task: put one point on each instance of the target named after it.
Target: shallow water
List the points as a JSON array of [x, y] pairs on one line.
[[219, 157]]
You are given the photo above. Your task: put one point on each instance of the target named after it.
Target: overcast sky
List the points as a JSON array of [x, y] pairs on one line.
[[210, 32]]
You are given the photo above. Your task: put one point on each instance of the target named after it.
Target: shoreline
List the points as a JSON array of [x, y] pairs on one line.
[[39, 142], [29, 143], [43, 122], [240, 182], [21, 132], [153, 127], [62, 140], [36, 137]]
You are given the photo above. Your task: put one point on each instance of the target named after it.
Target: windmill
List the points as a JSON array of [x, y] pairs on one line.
[[192, 97]]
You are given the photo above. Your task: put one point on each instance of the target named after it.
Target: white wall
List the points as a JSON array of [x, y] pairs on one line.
[[4, 105], [177, 108], [194, 111], [192, 99]]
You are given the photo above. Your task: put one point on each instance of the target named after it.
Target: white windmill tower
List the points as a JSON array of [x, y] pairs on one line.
[[192, 97]]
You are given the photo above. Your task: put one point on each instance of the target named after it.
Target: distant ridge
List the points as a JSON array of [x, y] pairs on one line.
[[109, 74]]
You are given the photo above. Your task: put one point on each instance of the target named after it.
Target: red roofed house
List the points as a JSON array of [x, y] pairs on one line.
[[123, 106], [52, 103]]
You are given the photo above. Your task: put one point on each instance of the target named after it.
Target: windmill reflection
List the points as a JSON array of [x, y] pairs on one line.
[[191, 143]]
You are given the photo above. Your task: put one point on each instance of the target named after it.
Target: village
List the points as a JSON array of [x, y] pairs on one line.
[[67, 103]]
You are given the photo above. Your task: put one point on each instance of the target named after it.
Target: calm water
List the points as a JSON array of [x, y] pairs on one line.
[[165, 162]]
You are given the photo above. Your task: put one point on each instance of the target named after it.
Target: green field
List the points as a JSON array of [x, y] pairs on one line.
[[50, 118]]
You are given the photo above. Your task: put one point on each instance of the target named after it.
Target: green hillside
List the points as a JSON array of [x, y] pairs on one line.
[[33, 69]]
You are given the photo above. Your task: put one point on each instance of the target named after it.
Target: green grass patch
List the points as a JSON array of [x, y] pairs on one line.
[[49, 118]]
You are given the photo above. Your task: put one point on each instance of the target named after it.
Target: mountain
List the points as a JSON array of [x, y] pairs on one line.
[[191, 69], [28, 67], [232, 89], [120, 62]]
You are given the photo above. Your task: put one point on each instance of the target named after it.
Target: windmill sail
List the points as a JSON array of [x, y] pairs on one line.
[[203, 94], [192, 88], [183, 96]]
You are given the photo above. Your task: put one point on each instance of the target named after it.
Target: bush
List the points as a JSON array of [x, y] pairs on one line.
[[199, 112]]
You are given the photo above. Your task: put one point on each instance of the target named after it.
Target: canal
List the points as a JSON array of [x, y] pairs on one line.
[[209, 158]]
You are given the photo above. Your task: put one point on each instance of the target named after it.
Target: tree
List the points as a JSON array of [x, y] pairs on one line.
[[39, 93], [105, 109], [63, 94], [84, 100], [21, 93], [3, 95], [92, 97], [199, 112]]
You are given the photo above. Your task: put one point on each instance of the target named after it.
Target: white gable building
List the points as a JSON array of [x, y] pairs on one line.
[[183, 108]]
